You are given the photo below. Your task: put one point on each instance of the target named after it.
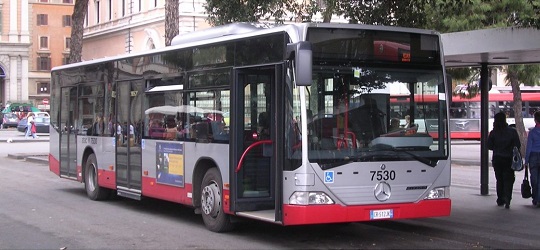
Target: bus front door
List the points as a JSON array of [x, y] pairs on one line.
[[128, 137], [252, 150], [68, 133]]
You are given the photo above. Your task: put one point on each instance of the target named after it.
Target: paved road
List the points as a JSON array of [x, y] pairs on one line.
[[476, 222]]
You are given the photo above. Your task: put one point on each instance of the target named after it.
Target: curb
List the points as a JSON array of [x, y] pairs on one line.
[[37, 160], [468, 163], [32, 157]]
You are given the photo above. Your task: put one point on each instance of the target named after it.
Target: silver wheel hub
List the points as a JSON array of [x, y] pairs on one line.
[[211, 199]]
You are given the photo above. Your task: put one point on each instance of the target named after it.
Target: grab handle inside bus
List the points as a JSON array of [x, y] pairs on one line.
[[239, 166], [301, 53]]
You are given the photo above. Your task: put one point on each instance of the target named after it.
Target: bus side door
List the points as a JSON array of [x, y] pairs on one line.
[[68, 133], [253, 155], [128, 127]]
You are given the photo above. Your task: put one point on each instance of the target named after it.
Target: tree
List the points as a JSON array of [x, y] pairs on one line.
[[452, 16], [77, 29], [171, 20], [385, 12], [515, 74], [379, 12], [328, 11], [460, 74], [223, 12]]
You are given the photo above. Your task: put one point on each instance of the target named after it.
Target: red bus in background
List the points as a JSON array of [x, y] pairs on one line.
[[465, 112]]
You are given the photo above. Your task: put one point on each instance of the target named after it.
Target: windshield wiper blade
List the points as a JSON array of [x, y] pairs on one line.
[[421, 159], [418, 158]]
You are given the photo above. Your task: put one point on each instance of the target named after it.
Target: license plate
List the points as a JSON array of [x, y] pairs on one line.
[[381, 214]]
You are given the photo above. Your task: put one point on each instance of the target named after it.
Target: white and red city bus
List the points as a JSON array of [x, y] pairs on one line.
[[288, 125], [465, 112]]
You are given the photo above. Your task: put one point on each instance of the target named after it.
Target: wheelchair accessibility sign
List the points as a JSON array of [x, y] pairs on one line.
[[328, 176]]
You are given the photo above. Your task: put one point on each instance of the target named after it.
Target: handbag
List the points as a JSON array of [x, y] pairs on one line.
[[525, 186], [517, 161], [33, 128]]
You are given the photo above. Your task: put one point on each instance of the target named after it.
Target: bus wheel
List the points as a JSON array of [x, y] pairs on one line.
[[211, 203], [93, 190]]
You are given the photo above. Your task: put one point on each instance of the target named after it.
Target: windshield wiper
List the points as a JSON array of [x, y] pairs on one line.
[[418, 158]]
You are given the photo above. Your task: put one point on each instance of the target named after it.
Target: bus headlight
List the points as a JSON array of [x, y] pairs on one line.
[[310, 198], [438, 193]]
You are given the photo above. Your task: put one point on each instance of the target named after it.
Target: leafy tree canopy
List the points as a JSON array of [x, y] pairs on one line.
[[223, 12]]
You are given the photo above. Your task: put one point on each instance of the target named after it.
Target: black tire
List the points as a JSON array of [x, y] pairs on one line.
[[214, 217], [93, 190]]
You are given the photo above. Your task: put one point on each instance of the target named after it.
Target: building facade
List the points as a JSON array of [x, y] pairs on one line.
[[14, 50], [50, 39], [31, 43], [115, 27]]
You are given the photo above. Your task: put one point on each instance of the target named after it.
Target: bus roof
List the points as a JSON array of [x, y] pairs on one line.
[[296, 31]]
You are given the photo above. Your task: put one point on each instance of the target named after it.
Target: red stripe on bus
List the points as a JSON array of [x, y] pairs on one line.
[[79, 173], [150, 188], [465, 135], [54, 165], [107, 179], [226, 201], [317, 214]]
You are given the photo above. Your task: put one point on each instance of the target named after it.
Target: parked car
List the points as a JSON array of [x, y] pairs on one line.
[[10, 120], [42, 124], [40, 113]]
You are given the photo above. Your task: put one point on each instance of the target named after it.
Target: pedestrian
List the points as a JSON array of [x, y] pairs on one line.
[[502, 140], [532, 158], [30, 126]]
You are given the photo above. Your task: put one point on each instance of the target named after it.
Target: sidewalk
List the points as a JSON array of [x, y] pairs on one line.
[[31, 157], [466, 158], [11, 135], [465, 162]]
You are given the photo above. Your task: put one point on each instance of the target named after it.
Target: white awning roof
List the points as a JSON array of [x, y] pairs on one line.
[[499, 46]]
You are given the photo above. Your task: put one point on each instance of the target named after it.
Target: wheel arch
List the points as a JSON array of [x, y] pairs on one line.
[[87, 152], [201, 167]]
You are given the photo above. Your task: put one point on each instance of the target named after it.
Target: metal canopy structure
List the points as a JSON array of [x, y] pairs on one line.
[[490, 47], [498, 46]]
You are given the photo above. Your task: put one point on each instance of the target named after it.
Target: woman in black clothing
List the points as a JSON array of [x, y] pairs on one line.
[[502, 140]]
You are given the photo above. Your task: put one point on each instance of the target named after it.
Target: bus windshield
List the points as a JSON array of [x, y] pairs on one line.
[[351, 116]]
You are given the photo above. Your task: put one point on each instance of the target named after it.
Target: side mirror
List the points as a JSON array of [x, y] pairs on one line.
[[302, 55]]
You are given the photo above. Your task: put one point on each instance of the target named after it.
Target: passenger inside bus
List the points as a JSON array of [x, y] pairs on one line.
[[170, 130], [189, 128], [407, 121], [217, 125], [366, 121], [263, 126], [156, 129], [394, 125]]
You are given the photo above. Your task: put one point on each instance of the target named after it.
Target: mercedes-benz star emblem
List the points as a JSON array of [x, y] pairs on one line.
[[382, 191]]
